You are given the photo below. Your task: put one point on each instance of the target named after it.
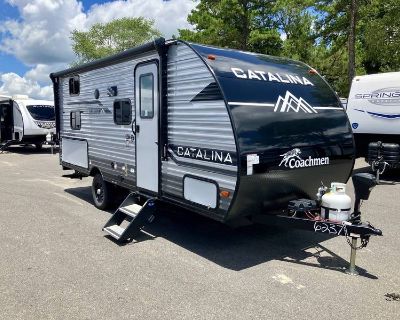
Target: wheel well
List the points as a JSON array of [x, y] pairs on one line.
[[94, 171]]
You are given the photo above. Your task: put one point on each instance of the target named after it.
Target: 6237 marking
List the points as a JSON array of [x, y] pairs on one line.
[[326, 227]]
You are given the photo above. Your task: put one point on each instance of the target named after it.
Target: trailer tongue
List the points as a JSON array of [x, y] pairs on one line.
[[307, 214]]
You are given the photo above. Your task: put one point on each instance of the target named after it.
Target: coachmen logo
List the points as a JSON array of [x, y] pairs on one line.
[[291, 103], [292, 159]]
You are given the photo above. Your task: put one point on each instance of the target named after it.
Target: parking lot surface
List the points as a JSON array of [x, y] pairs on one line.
[[56, 263]]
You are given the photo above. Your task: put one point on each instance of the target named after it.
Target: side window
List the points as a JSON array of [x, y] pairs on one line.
[[146, 92], [122, 111], [75, 120], [74, 85]]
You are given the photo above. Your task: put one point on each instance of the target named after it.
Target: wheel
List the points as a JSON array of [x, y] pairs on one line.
[[101, 192], [38, 146]]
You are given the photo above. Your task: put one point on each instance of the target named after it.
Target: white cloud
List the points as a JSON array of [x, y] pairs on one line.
[[42, 34], [13, 84], [40, 72], [167, 15], [40, 38]]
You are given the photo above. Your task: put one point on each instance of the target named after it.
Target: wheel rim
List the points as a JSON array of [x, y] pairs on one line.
[[99, 191]]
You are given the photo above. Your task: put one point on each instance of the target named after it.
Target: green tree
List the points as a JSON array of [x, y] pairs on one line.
[[294, 19], [381, 36], [239, 24], [340, 38], [104, 39]]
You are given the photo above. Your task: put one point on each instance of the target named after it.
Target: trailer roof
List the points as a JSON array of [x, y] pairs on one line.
[[156, 44]]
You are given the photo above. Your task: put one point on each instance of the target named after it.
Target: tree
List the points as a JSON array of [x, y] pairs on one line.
[[294, 19], [340, 38], [353, 9], [239, 24], [381, 36], [104, 39]]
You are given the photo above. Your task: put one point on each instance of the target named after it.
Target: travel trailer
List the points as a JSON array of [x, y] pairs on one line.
[[374, 112], [227, 134], [25, 121]]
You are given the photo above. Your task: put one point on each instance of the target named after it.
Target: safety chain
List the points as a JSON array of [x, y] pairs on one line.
[[376, 163], [364, 241]]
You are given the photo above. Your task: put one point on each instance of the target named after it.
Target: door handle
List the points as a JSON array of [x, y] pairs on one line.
[[137, 128]]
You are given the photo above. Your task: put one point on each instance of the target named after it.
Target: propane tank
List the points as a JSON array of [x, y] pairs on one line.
[[336, 204]]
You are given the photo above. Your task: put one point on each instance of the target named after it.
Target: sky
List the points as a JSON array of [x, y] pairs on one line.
[[35, 35]]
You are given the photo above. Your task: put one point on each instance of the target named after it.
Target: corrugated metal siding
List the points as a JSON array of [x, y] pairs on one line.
[[199, 124], [106, 140]]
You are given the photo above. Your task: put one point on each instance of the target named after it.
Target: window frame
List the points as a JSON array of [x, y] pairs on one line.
[[140, 95], [72, 120], [130, 112], [72, 81]]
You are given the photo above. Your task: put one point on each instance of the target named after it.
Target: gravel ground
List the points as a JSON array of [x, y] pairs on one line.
[[56, 263]]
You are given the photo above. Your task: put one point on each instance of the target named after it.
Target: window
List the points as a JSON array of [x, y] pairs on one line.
[[74, 85], [76, 120], [122, 111], [146, 90], [42, 112]]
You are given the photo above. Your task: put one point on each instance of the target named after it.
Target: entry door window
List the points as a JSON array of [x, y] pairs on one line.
[[146, 96]]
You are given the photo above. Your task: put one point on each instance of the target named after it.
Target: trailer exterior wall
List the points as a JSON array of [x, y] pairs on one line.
[[199, 123], [108, 150], [291, 130]]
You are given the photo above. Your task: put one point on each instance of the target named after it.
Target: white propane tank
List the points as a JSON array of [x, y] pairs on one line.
[[336, 204]]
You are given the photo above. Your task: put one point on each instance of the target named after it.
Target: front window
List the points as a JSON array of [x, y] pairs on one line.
[[42, 112]]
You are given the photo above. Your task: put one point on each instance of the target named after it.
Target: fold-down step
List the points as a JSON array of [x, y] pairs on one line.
[[133, 212]]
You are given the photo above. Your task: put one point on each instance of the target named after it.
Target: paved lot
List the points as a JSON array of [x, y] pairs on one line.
[[56, 263]]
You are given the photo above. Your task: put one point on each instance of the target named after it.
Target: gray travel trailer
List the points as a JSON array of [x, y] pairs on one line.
[[25, 121], [224, 133]]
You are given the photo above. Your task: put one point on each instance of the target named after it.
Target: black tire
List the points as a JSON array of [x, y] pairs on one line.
[[38, 146], [101, 192]]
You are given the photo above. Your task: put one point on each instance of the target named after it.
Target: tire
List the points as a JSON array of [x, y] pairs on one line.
[[38, 146], [101, 192]]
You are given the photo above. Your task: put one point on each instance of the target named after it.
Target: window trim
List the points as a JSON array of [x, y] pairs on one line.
[[140, 95], [131, 112], [72, 115], [71, 85]]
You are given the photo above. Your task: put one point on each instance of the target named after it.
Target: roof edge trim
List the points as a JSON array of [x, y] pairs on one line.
[[156, 44]]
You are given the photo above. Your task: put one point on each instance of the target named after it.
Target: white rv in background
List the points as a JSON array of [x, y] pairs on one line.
[[25, 121], [373, 109]]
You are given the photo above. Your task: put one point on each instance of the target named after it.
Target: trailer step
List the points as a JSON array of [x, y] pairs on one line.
[[137, 216]]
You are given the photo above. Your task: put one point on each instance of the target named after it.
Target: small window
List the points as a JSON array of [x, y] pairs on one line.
[[74, 85], [76, 120], [122, 112], [146, 89]]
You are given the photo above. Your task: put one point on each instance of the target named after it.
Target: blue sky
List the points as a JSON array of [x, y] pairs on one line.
[[35, 34], [9, 63]]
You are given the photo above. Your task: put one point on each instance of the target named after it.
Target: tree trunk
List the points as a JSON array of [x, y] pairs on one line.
[[352, 41], [244, 41]]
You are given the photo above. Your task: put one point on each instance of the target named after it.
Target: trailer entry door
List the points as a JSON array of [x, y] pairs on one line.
[[6, 121], [146, 97]]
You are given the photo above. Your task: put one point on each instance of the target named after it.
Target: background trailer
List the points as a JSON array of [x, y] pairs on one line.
[[374, 112], [25, 121]]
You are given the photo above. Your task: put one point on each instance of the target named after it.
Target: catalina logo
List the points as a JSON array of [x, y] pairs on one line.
[[269, 76], [292, 160], [292, 103], [354, 125]]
